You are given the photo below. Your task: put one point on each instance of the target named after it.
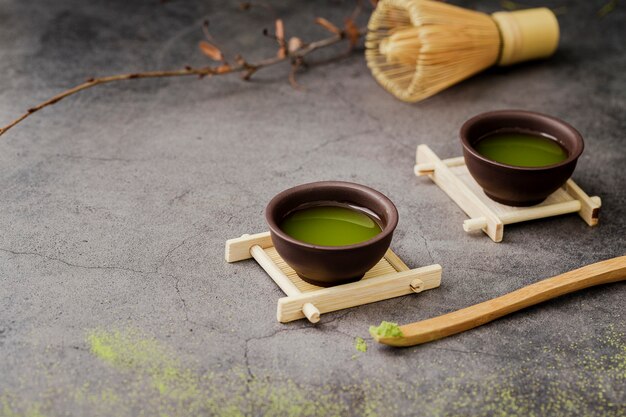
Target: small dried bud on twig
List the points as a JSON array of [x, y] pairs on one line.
[[327, 25], [211, 51], [280, 38], [294, 44], [280, 30]]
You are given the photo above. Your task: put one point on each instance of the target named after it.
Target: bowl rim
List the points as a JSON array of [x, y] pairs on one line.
[[387, 230], [529, 115]]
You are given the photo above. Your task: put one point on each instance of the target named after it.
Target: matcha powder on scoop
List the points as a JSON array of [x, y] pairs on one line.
[[386, 329]]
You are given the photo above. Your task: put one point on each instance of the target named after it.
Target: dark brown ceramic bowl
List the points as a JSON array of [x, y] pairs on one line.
[[326, 266], [514, 185]]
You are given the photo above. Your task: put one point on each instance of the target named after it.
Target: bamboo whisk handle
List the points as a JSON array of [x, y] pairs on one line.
[[527, 34]]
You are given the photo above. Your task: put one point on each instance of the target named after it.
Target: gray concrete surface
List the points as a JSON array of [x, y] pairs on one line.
[[115, 205]]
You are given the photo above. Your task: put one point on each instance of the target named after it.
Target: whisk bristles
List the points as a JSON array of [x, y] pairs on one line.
[[416, 48]]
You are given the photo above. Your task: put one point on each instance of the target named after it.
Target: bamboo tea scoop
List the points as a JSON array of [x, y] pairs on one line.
[[611, 270]]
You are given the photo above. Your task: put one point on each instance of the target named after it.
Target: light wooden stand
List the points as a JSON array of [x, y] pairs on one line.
[[452, 176], [389, 278]]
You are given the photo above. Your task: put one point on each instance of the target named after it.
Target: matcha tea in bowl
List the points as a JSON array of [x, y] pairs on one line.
[[331, 232], [519, 157]]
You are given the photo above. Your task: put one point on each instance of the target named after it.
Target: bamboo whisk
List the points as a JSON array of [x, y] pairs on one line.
[[416, 48]]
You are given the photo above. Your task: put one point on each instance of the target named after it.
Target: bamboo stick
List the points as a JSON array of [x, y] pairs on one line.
[[525, 214], [308, 309], [238, 249], [361, 292]]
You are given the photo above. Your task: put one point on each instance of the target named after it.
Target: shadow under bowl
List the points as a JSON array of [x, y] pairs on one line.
[[517, 185], [326, 266]]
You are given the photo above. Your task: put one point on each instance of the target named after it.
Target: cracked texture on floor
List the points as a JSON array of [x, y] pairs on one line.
[[115, 205]]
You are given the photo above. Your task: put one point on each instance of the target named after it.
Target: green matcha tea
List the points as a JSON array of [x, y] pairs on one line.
[[331, 224], [521, 149]]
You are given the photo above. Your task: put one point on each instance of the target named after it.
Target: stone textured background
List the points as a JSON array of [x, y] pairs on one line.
[[115, 205]]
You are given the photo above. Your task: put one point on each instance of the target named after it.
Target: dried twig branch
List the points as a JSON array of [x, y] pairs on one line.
[[295, 66], [247, 69]]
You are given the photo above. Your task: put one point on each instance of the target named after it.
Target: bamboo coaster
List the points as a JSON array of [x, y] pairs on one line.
[[389, 278], [452, 176]]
